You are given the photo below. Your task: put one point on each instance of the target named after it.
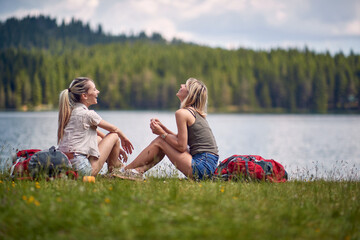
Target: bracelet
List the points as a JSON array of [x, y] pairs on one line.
[[163, 136]]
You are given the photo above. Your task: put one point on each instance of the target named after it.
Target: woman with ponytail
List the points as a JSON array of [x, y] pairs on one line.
[[90, 151], [193, 148]]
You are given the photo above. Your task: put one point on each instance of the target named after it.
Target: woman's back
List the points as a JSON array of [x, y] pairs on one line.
[[200, 136], [80, 132]]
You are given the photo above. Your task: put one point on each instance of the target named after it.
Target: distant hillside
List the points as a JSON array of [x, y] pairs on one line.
[[43, 32], [39, 58]]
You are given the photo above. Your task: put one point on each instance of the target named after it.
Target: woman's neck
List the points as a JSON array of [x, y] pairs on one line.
[[85, 103]]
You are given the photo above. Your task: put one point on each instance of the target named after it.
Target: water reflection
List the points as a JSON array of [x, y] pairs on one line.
[[317, 145]]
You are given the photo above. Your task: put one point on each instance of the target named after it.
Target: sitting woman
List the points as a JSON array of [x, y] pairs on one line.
[[193, 131], [90, 151]]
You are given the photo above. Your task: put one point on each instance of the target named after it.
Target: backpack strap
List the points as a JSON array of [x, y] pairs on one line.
[[224, 165], [13, 167], [266, 166], [247, 167]]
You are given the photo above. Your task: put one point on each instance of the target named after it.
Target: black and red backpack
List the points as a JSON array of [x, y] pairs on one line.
[[31, 163], [250, 167], [20, 163]]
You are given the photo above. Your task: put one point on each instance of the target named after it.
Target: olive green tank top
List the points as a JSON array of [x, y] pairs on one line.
[[200, 136]]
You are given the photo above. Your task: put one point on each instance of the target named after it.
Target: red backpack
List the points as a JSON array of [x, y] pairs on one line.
[[21, 163], [20, 168], [250, 167]]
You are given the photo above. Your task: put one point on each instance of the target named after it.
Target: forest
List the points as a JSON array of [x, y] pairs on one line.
[[39, 58]]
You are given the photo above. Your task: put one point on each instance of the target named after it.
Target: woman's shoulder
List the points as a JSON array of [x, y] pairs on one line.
[[184, 111], [180, 112], [185, 114], [86, 114]]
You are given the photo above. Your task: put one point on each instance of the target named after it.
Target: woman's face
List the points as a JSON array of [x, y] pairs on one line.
[[182, 93], [90, 98]]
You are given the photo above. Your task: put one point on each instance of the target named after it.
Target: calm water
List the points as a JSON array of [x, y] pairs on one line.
[[307, 145]]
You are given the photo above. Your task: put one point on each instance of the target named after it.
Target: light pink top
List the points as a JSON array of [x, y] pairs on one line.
[[80, 132]]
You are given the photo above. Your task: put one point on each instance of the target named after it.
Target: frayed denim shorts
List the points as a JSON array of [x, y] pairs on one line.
[[204, 165], [81, 163]]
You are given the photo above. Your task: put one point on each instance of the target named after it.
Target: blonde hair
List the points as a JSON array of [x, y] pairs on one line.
[[197, 96], [68, 98]]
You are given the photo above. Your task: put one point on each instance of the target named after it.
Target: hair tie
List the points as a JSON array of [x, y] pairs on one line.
[[69, 89]]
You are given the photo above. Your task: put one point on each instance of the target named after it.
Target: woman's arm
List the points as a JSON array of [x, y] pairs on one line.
[[100, 134], [125, 142], [111, 128]]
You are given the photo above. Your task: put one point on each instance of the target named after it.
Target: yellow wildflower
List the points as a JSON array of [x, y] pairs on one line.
[[107, 200], [31, 199], [24, 198], [37, 203], [110, 188]]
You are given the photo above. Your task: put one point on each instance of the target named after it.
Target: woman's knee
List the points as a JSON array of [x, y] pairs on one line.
[[112, 138], [117, 143], [157, 141]]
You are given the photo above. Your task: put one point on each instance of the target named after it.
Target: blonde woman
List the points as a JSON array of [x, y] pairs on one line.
[[90, 151], [193, 149]]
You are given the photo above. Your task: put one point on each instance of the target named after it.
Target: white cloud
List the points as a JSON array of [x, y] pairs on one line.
[[145, 6], [80, 9], [66, 9], [353, 28], [167, 27], [226, 23], [133, 17]]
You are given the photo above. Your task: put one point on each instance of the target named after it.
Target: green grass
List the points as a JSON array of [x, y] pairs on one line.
[[178, 209]]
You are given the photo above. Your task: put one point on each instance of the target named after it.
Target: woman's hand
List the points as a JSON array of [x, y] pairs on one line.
[[123, 156], [156, 126], [126, 144], [155, 120]]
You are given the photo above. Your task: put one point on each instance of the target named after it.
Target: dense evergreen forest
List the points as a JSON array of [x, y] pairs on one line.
[[39, 58]]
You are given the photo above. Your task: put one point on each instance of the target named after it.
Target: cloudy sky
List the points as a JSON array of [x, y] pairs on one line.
[[320, 25]]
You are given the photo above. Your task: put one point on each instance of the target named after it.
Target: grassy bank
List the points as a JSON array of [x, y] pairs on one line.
[[178, 209]]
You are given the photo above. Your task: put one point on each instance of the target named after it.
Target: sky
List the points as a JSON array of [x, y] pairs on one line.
[[320, 25]]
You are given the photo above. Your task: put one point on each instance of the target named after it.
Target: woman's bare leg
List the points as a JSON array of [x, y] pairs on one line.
[[150, 156], [155, 152], [106, 146], [113, 159]]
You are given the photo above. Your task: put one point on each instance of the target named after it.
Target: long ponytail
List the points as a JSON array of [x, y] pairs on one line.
[[68, 98], [64, 113]]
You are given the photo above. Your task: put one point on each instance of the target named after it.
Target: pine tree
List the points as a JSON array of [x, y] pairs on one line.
[[320, 95]]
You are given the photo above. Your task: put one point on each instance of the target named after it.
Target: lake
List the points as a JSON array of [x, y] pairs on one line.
[[309, 146]]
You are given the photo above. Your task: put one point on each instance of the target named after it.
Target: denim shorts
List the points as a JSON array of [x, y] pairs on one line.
[[204, 165], [82, 164]]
